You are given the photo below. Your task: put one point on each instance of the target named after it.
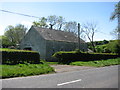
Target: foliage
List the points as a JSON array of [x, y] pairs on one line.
[[99, 42], [5, 42], [102, 48], [116, 11], [52, 63], [15, 34], [100, 63], [41, 23], [52, 21], [60, 22], [71, 26], [57, 22], [112, 47], [116, 15], [27, 69], [68, 57], [11, 56]]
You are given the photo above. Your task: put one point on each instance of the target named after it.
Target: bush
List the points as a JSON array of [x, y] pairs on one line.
[[11, 56], [114, 46], [68, 57]]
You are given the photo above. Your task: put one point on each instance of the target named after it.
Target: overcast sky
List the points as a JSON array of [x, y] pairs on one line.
[[82, 12]]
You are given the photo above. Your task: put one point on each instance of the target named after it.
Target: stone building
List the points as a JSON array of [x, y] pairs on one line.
[[47, 41]]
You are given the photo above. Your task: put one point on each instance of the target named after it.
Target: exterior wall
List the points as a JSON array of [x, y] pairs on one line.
[[54, 46], [35, 41]]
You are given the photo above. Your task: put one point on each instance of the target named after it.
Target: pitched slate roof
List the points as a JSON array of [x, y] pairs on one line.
[[57, 35]]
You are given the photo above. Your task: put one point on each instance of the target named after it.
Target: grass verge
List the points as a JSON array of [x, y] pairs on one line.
[[99, 63], [20, 70]]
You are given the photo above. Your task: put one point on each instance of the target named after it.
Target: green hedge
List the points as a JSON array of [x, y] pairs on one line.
[[68, 57], [19, 56]]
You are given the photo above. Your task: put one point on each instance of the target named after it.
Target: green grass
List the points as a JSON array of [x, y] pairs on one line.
[[49, 63], [52, 63], [21, 70], [15, 50], [100, 63]]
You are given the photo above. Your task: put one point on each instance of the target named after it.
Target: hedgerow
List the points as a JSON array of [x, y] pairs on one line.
[[11, 56], [68, 57]]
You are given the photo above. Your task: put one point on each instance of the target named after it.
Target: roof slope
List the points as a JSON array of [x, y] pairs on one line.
[[57, 35]]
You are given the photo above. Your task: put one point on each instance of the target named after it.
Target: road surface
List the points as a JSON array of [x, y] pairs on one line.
[[104, 77]]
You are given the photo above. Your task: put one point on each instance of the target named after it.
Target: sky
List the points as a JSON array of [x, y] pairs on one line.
[[81, 12]]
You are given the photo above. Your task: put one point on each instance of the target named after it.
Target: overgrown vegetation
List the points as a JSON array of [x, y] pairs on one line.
[[99, 63], [20, 70], [12, 56]]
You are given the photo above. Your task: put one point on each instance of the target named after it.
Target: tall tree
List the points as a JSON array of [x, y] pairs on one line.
[[71, 27], [52, 20], [9, 33], [41, 23], [90, 29], [116, 15], [60, 22], [15, 34]]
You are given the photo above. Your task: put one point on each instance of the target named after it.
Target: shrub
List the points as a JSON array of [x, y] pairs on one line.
[[11, 56], [114, 46], [68, 57]]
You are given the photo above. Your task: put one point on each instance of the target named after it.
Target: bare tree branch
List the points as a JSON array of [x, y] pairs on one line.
[[89, 30]]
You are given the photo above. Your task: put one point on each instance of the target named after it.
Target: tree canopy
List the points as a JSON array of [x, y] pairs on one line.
[[15, 34]]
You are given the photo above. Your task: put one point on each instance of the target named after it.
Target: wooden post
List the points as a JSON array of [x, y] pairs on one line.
[[79, 36]]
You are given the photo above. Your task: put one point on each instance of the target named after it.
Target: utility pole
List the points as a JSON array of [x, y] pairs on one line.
[[79, 36], [119, 26]]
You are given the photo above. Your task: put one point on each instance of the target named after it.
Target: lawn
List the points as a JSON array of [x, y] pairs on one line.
[[99, 63], [21, 70]]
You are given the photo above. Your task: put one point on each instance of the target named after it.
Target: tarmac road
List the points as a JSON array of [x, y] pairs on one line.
[[104, 77]]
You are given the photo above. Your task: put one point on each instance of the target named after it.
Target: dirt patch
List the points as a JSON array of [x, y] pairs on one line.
[[67, 68]]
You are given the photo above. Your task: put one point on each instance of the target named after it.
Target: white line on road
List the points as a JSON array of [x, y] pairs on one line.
[[69, 82]]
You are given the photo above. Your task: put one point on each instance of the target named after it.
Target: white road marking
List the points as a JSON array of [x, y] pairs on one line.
[[69, 82]]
